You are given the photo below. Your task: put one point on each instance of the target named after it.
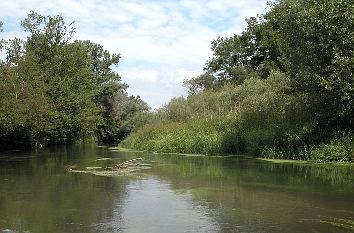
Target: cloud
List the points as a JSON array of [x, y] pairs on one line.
[[157, 84], [161, 42]]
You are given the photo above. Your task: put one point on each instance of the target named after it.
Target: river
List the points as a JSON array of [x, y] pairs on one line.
[[170, 193]]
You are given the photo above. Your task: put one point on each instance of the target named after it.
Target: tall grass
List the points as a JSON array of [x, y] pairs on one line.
[[258, 117], [199, 136]]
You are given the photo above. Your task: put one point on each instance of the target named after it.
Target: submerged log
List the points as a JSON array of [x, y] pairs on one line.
[[125, 164]]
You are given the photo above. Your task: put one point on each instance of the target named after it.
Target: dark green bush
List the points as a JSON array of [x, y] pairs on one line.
[[339, 149]]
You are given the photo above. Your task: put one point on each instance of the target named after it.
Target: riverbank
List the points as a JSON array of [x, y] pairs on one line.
[[269, 91], [278, 161], [231, 135]]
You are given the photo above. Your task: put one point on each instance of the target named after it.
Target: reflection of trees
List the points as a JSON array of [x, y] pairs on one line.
[[257, 196], [40, 196], [237, 171]]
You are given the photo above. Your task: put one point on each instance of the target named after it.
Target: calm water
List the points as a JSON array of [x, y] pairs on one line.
[[171, 194]]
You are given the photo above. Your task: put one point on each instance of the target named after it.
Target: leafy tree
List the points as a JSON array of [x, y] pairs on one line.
[[47, 35], [69, 82], [197, 84], [227, 62], [24, 106], [318, 44], [255, 52], [109, 88], [132, 113], [14, 50], [54, 90], [1, 40]]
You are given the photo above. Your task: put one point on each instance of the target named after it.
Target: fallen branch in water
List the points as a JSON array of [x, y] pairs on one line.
[[128, 163]]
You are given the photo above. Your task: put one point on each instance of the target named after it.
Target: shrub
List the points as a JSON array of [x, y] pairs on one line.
[[339, 149]]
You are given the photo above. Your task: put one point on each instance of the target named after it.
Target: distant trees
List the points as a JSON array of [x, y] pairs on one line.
[[202, 82], [54, 90], [132, 113]]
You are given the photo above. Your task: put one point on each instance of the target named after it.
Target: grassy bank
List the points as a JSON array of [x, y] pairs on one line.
[[181, 138], [257, 118]]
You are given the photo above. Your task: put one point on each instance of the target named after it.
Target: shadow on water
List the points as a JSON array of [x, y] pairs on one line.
[[175, 194]]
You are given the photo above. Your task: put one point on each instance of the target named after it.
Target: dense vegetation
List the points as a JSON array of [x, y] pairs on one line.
[[283, 88], [54, 90]]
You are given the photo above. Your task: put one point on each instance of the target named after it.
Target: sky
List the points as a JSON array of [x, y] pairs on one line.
[[161, 42]]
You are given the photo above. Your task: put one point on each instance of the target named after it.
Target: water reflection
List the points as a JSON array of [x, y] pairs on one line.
[[38, 195], [176, 194], [255, 196], [151, 206]]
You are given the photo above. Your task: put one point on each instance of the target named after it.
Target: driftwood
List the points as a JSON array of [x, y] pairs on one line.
[[128, 163]]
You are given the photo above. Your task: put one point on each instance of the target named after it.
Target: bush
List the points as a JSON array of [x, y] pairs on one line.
[[339, 149]]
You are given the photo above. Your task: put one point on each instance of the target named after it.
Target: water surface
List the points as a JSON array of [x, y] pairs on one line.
[[170, 193]]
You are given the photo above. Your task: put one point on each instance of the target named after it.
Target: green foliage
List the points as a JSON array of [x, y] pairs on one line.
[[339, 149], [255, 52], [55, 91], [69, 82], [176, 110], [23, 104], [318, 53], [200, 83], [132, 113], [191, 137], [234, 119], [109, 88], [281, 89]]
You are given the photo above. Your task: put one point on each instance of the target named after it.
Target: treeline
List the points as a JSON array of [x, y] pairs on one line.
[[283, 88], [54, 90]]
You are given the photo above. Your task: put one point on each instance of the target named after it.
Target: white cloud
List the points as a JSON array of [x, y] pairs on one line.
[[139, 74], [154, 84], [161, 42]]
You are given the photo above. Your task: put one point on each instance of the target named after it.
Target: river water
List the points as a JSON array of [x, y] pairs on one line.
[[170, 193]]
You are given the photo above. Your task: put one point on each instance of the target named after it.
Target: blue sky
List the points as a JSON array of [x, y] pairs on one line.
[[162, 42]]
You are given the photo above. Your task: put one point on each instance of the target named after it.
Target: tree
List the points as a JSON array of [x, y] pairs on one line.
[[202, 82], [255, 52], [69, 81], [319, 44], [55, 90], [1, 40], [132, 113], [47, 35], [14, 50], [109, 88], [24, 106]]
